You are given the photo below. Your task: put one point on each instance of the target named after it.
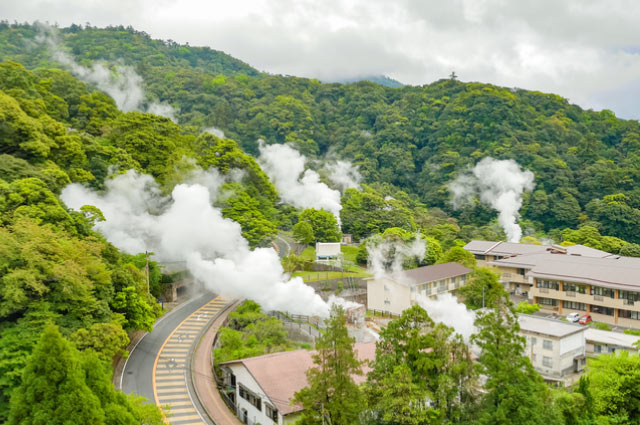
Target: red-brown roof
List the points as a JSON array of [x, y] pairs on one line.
[[281, 375]]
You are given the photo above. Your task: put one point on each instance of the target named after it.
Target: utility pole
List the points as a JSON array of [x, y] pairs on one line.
[[146, 270], [483, 297]]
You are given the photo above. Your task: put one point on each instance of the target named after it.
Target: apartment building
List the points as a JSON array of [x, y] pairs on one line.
[[556, 348], [606, 288], [396, 293], [514, 274]]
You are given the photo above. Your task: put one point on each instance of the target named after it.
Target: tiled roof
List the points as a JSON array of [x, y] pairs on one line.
[[281, 375]]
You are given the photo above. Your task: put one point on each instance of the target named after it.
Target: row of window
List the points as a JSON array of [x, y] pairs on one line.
[[253, 399], [440, 285], [608, 311], [582, 289], [547, 344]]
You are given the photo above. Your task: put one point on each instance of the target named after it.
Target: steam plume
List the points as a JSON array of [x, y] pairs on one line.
[[447, 310], [285, 167], [499, 184], [122, 83], [215, 131], [344, 174], [186, 227]]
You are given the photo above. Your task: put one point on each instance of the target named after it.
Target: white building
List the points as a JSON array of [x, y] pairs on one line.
[[395, 294], [327, 252], [607, 342], [556, 349], [262, 387]]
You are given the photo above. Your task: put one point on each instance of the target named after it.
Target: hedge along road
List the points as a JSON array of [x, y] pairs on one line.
[[157, 367]]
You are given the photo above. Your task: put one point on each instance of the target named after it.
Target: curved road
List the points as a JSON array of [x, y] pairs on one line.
[[157, 366]]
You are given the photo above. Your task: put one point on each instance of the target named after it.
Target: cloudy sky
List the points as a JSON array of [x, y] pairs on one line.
[[585, 50]]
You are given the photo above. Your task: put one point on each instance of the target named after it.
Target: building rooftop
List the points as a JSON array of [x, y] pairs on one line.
[[611, 338], [546, 326], [432, 273], [613, 271], [327, 249], [281, 375], [505, 249]]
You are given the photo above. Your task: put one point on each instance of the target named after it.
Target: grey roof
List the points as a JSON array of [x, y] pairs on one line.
[[426, 274], [550, 327], [510, 248], [611, 338], [613, 272]]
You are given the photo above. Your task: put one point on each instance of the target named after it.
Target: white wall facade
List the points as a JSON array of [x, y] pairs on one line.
[[254, 416], [387, 295], [552, 356]]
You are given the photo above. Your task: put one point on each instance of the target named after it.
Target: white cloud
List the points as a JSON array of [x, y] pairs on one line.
[[584, 50]]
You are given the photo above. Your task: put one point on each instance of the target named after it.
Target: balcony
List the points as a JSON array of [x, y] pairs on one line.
[[570, 294], [628, 302]]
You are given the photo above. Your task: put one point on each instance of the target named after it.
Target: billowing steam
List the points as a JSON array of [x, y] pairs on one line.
[[344, 174], [186, 227], [386, 258], [447, 310], [122, 83], [499, 184], [298, 187], [215, 131]]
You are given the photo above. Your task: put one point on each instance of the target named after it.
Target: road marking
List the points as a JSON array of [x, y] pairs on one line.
[[171, 366]]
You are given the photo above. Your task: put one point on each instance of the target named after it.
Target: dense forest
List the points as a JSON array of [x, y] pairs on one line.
[[409, 143], [410, 139]]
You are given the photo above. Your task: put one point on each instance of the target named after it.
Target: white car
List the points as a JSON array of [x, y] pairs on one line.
[[573, 317]]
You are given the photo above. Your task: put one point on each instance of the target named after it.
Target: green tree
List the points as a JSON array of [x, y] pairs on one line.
[[324, 224], [303, 232], [53, 389], [483, 289], [441, 379], [137, 312], [331, 395], [516, 393], [458, 254]]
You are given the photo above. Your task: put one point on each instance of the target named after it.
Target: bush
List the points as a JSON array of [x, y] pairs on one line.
[[602, 326], [526, 308], [635, 332]]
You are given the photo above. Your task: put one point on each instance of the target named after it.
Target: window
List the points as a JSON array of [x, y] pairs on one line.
[[602, 310], [479, 257], [387, 302], [521, 272], [572, 305], [597, 348], [251, 398], [271, 412], [533, 358], [572, 287], [443, 284], [603, 292], [547, 361], [534, 340], [463, 278], [627, 314], [547, 344], [549, 284], [629, 295], [547, 301]]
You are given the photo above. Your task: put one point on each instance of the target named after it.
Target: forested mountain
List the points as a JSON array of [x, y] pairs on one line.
[[416, 139]]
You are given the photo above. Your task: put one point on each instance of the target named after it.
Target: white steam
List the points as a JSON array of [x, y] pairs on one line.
[[386, 258], [186, 227], [499, 184], [122, 83], [344, 174], [285, 167], [447, 310], [215, 131]]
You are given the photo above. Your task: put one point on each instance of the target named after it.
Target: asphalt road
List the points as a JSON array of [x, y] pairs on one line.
[[137, 373]]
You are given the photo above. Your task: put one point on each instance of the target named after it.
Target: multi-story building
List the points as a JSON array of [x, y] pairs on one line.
[[396, 293], [513, 274], [556, 349], [606, 288]]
